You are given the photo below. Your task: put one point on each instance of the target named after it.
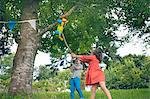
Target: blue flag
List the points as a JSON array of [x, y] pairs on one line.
[[11, 25]]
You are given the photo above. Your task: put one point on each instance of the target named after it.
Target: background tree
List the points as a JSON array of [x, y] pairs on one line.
[[134, 15], [45, 73], [6, 64], [53, 83], [128, 73]]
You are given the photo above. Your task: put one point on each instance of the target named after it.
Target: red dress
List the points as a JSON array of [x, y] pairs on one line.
[[94, 73]]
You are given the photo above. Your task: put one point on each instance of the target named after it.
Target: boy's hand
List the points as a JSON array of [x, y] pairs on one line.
[[73, 55], [71, 68]]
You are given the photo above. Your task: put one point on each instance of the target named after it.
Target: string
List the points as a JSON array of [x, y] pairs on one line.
[[23, 21]]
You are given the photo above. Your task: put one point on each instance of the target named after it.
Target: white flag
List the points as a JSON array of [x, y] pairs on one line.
[[33, 23]]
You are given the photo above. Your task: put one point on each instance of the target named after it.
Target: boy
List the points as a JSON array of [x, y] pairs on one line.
[[75, 78]]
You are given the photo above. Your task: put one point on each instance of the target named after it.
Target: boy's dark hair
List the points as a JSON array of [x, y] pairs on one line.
[[74, 61], [98, 54]]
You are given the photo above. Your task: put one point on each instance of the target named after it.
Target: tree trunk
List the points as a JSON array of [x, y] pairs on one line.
[[21, 80]]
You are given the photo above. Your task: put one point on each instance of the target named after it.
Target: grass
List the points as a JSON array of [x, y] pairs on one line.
[[116, 94]]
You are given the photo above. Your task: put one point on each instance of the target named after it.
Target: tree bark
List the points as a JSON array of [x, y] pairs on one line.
[[21, 80]]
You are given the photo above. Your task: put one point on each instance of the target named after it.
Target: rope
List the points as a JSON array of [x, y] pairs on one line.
[[23, 21], [66, 43]]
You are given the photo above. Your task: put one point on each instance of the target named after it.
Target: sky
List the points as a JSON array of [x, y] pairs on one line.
[[135, 46]]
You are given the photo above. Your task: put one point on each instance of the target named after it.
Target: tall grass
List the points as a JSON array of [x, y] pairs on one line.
[[116, 94]]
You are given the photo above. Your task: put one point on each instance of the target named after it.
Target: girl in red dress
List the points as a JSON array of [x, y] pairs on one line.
[[94, 75]]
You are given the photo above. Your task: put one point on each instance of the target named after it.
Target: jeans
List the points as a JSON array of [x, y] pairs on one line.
[[75, 83]]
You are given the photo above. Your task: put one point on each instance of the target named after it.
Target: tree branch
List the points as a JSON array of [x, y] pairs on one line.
[[69, 12], [51, 25]]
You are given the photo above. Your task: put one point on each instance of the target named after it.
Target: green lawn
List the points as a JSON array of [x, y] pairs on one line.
[[116, 94]]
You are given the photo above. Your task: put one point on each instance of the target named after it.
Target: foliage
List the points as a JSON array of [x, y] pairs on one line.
[[45, 73], [93, 19], [133, 14], [146, 70], [55, 83], [5, 68], [87, 24], [129, 73], [136, 12]]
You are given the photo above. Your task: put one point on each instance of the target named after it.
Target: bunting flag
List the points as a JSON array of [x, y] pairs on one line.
[[11, 25], [33, 23]]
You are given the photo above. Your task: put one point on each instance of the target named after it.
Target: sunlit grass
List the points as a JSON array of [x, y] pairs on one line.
[[116, 94]]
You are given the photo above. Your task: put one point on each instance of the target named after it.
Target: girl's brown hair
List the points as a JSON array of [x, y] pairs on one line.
[[98, 54]]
